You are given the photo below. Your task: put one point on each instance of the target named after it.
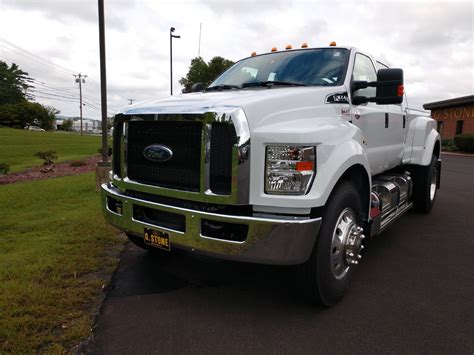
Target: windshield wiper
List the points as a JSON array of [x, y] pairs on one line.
[[222, 87], [271, 83]]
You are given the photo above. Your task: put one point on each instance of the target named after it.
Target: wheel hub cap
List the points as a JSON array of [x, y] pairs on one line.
[[346, 244]]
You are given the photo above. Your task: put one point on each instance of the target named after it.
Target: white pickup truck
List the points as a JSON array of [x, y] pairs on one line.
[[289, 157]]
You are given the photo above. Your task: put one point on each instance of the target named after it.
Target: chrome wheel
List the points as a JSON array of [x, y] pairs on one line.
[[433, 185], [346, 243]]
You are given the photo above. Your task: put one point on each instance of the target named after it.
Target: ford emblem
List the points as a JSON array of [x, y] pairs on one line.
[[158, 153]]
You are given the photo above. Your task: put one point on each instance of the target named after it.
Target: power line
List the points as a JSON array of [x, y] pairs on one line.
[[33, 56]]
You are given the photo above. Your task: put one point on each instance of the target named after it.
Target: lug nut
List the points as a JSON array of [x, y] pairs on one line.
[[359, 256], [351, 254]]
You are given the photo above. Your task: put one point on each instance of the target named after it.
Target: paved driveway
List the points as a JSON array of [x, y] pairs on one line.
[[413, 292]]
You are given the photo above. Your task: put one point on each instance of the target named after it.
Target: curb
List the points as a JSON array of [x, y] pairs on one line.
[[458, 154]]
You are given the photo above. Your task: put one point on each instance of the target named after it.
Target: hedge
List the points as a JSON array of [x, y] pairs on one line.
[[465, 142]]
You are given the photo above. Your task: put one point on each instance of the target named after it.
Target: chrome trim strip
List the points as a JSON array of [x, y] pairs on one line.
[[303, 220], [221, 240]]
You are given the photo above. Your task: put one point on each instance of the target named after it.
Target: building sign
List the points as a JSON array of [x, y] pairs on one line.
[[455, 113]]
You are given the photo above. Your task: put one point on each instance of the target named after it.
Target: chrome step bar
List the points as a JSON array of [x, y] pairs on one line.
[[390, 199]]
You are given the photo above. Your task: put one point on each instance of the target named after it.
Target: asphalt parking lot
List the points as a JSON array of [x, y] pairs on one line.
[[413, 293]]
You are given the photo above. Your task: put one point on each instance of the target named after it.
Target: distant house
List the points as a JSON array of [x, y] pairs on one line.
[[453, 116]]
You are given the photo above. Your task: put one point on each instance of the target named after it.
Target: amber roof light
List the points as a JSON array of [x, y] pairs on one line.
[[253, 54], [333, 44], [274, 49], [288, 46], [304, 45]]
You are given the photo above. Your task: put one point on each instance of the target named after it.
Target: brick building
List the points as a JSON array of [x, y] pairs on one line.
[[453, 116]]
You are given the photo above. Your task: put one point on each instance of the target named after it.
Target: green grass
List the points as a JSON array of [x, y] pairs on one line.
[[17, 146], [56, 253]]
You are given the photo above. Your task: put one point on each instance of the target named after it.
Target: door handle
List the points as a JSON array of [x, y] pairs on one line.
[[386, 120]]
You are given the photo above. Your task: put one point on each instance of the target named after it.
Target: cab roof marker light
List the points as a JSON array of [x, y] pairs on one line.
[[274, 49], [304, 45], [288, 46], [253, 54], [332, 44]]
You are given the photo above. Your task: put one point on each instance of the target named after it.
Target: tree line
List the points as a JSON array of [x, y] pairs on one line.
[[16, 108]]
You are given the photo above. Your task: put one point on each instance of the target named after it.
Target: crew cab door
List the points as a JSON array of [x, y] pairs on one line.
[[370, 117], [395, 128]]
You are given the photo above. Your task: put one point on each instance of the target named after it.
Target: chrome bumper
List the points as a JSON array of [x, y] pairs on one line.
[[269, 241]]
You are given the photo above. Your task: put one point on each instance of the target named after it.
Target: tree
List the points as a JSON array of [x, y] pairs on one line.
[[24, 113], [205, 73], [14, 84], [67, 124], [48, 123]]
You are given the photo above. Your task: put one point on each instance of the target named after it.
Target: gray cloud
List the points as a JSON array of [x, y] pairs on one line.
[[71, 11]]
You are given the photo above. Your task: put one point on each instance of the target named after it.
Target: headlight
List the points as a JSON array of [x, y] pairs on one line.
[[289, 169]]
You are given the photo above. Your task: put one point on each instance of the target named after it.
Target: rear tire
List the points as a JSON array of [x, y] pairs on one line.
[[425, 186], [326, 279]]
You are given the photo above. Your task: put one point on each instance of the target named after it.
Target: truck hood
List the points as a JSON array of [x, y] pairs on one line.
[[259, 105]]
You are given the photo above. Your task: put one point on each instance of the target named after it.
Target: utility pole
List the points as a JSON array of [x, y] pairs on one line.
[[81, 79], [171, 57], [103, 167], [103, 82], [130, 101]]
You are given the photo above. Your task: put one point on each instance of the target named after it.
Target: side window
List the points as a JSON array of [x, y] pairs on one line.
[[364, 70]]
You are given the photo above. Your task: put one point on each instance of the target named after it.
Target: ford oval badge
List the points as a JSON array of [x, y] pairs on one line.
[[157, 153]]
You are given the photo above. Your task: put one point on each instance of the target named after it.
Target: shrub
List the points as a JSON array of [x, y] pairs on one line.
[[465, 142], [448, 145], [445, 142], [76, 163], [4, 168], [48, 156]]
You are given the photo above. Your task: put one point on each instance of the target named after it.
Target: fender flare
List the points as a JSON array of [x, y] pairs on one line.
[[426, 140], [346, 157]]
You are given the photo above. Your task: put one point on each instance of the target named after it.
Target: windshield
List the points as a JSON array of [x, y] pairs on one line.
[[315, 67]]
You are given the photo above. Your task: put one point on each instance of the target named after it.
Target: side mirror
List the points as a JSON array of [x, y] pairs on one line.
[[389, 88], [197, 87]]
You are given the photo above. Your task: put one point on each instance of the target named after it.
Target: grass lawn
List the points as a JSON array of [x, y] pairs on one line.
[[56, 253], [17, 146]]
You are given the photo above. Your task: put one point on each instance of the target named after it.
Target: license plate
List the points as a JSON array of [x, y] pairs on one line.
[[157, 239]]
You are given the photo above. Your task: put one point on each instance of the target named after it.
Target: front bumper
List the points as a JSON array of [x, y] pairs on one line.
[[269, 240]]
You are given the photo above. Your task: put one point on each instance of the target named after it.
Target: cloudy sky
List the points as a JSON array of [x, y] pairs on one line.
[[432, 41]]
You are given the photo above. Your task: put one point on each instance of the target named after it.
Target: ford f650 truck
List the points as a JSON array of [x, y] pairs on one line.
[[289, 157]]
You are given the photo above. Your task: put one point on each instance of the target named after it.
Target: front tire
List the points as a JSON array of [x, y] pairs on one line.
[[331, 265]]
